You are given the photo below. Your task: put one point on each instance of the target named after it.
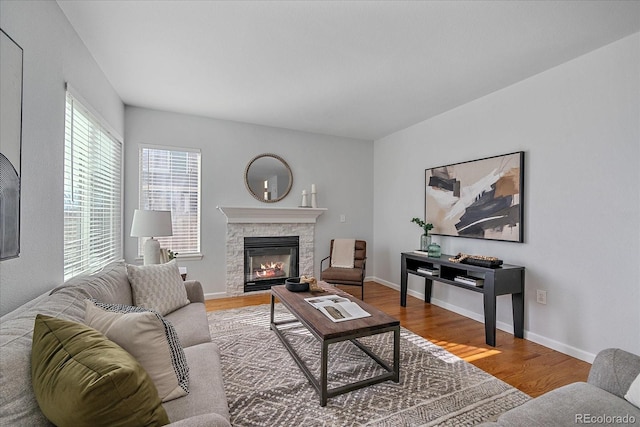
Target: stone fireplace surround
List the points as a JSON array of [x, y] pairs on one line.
[[266, 222]]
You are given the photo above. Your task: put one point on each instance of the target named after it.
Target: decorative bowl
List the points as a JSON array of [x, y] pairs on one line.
[[293, 284]]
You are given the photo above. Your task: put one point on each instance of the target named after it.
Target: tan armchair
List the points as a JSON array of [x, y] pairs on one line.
[[346, 276]]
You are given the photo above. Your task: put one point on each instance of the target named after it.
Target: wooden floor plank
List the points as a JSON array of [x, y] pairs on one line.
[[528, 366]]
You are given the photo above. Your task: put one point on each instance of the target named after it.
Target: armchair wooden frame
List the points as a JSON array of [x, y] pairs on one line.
[[346, 276]]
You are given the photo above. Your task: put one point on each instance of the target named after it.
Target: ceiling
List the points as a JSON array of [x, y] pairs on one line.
[[361, 69]]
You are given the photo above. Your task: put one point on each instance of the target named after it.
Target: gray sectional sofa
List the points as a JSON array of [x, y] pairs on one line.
[[206, 403], [599, 401]]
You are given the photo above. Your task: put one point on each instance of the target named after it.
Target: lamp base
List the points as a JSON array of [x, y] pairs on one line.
[[151, 251]]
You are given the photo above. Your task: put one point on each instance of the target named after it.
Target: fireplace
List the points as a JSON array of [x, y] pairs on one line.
[[269, 261], [262, 222]]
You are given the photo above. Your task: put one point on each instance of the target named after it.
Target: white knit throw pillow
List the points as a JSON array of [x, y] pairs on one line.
[[157, 287]]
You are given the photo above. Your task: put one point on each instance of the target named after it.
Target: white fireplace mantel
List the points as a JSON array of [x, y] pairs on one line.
[[275, 215]]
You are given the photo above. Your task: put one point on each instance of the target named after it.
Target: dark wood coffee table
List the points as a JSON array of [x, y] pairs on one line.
[[328, 332]]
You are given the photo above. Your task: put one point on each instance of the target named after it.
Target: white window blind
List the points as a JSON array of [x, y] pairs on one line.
[[170, 180], [92, 193]]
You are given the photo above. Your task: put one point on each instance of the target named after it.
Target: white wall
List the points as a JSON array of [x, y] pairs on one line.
[[341, 168], [53, 55], [579, 127]]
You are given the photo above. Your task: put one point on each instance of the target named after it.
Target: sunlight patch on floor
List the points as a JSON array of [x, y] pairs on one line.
[[468, 353]]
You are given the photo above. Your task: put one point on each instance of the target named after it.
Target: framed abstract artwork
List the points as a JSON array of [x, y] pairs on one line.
[[479, 199], [10, 145]]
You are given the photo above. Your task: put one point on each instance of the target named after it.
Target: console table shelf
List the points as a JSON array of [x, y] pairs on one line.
[[504, 280]]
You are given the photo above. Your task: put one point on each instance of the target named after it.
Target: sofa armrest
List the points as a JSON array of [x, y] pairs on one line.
[[614, 370], [194, 291]]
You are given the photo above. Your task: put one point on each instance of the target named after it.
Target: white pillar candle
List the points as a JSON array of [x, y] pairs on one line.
[[313, 188]]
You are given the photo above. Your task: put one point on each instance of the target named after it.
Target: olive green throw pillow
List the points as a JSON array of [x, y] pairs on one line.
[[81, 378]]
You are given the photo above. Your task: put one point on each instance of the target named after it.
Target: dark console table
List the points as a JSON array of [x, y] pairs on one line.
[[504, 280]]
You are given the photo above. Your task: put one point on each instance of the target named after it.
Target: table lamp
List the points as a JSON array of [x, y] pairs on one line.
[[151, 224]]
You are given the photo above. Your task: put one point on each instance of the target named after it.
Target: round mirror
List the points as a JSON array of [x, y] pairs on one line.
[[268, 178]]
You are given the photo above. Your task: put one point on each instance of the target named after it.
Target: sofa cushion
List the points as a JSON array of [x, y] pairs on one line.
[[577, 403], [17, 400], [205, 420], [149, 338], [109, 285], [207, 393], [158, 287], [81, 378], [191, 324]]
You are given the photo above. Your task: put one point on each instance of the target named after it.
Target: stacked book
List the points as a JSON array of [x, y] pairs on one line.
[[429, 271], [469, 280]]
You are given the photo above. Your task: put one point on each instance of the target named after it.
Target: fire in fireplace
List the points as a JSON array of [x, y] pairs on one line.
[[270, 269], [269, 261]]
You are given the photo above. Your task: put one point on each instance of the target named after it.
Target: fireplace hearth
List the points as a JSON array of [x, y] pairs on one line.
[[269, 261]]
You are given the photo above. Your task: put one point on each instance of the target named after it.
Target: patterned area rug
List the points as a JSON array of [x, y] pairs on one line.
[[265, 387]]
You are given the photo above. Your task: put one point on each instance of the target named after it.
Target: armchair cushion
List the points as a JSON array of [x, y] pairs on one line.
[[342, 275], [346, 276]]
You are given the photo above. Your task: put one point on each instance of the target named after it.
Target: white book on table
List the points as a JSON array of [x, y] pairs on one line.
[[468, 280], [428, 271], [337, 309]]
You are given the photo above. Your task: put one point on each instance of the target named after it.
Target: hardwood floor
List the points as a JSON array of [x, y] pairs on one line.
[[530, 367]]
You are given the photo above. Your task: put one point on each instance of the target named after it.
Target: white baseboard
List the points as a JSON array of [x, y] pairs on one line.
[[538, 339], [560, 346], [384, 282], [215, 295]]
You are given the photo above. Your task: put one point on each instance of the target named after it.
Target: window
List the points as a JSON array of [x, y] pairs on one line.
[[92, 192], [170, 181]]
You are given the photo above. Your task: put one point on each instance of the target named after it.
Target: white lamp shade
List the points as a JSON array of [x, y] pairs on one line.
[[151, 223]]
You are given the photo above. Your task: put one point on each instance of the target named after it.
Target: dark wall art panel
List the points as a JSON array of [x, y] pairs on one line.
[[479, 199], [10, 145]]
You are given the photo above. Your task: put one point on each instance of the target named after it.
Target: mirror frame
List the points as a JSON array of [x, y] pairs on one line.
[[284, 163]]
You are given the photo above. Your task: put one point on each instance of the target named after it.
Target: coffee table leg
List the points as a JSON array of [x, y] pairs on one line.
[[396, 355], [323, 373], [272, 309]]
